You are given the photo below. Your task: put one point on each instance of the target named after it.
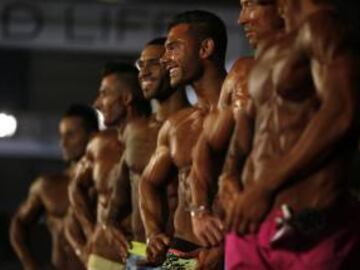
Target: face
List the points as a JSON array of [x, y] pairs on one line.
[[182, 55], [259, 20], [110, 101], [153, 76], [73, 138]]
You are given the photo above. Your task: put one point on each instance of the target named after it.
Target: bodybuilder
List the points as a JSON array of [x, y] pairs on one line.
[[291, 210], [141, 134], [261, 22], [195, 54], [48, 195], [120, 100]]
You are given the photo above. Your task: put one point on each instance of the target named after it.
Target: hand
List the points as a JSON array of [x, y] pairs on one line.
[[117, 239], [211, 259], [208, 229], [157, 246], [84, 253], [249, 210]]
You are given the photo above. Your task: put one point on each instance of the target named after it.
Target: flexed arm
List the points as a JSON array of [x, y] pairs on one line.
[[120, 201], [335, 75], [79, 195], [154, 180], [239, 149], [334, 71], [211, 144], [75, 236], [25, 217]]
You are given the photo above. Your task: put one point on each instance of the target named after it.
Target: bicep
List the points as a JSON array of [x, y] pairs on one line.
[[159, 167], [335, 81], [218, 128], [121, 182], [32, 208]]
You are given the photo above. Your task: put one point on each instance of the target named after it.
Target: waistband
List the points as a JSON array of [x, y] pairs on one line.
[[138, 249], [97, 262], [183, 245]]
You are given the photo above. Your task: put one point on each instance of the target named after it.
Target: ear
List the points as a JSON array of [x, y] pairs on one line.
[[128, 98], [207, 48]]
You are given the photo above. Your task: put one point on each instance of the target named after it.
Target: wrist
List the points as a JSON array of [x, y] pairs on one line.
[[153, 235], [198, 211], [266, 190]]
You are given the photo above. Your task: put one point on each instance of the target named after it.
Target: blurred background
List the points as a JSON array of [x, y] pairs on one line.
[[51, 54]]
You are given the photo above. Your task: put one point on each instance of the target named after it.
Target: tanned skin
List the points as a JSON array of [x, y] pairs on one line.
[[304, 93], [100, 170], [49, 196], [140, 135], [177, 138], [260, 20]]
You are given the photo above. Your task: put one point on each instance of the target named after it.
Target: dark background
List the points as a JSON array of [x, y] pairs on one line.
[[38, 82]]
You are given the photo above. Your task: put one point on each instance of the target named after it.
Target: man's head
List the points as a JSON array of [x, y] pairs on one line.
[[194, 38], [260, 19], [119, 89], [76, 127], [295, 11], [153, 76]]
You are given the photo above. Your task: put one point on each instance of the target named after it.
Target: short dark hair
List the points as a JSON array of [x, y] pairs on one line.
[[205, 25], [157, 41], [87, 114], [128, 74], [118, 68]]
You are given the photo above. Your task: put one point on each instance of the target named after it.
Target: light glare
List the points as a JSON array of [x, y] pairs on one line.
[[8, 125]]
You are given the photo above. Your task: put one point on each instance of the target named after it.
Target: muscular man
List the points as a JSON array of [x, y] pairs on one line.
[[291, 208], [48, 195], [195, 53], [140, 135], [260, 21], [121, 101]]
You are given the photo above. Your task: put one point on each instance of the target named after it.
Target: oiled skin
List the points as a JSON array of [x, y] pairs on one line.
[[212, 145], [99, 169], [177, 138], [303, 89]]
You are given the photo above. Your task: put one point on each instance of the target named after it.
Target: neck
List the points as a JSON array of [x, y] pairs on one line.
[[119, 125], [131, 114], [207, 88], [164, 108]]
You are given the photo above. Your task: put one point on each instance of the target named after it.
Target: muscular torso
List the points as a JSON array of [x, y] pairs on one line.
[[285, 100], [104, 154], [140, 143], [53, 194], [185, 127]]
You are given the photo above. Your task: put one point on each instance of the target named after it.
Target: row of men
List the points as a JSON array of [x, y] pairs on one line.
[[254, 174]]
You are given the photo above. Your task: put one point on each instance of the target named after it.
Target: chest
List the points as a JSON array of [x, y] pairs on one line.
[[55, 198], [140, 144], [282, 75], [183, 137]]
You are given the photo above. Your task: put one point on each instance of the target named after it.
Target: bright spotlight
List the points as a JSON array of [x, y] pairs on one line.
[[8, 125]]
